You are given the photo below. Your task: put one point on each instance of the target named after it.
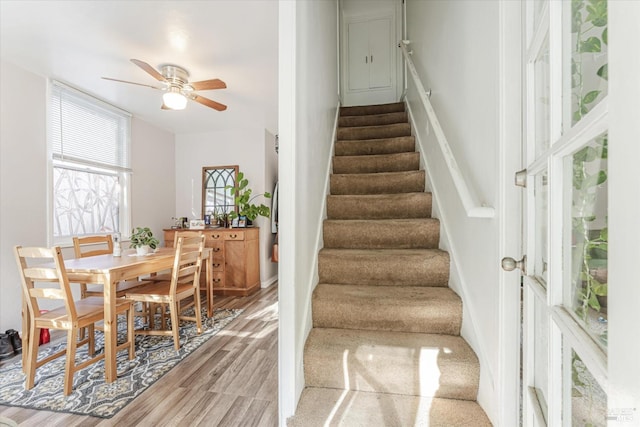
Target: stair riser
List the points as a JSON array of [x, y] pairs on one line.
[[372, 109], [375, 146], [406, 182], [378, 269], [373, 120], [374, 164], [374, 132], [386, 368], [389, 234], [352, 307], [382, 206]]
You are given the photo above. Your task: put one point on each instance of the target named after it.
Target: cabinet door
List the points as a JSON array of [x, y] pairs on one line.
[[379, 53], [358, 55], [234, 264]]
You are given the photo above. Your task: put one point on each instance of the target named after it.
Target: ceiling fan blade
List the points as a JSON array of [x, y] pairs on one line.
[[208, 84], [209, 103], [131, 83], [149, 69]]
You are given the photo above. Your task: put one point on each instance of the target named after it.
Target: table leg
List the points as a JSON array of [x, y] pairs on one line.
[[110, 330], [209, 278]]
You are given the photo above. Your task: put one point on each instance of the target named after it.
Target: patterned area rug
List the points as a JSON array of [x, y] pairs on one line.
[[155, 356]]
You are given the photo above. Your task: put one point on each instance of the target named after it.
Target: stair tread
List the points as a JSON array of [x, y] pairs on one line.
[[328, 406], [400, 144], [381, 252], [358, 110], [379, 206], [450, 349], [378, 182], [381, 233], [410, 309], [376, 163], [428, 365], [373, 119]]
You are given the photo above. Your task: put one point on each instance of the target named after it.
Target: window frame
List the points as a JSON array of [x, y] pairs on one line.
[[123, 173]]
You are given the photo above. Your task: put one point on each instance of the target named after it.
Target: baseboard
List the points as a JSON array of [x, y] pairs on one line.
[[270, 281]]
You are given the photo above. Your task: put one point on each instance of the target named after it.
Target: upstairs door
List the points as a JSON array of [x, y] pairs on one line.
[[370, 58]]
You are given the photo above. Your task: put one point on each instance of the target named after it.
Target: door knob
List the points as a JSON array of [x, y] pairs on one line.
[[510, 264]]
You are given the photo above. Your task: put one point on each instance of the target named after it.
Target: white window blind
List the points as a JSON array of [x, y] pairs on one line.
[[87, 130], [90, 148]]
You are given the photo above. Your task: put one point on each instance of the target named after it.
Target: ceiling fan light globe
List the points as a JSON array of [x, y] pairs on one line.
[[174, 100]]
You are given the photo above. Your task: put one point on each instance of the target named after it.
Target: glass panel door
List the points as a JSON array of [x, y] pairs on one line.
[[566, 286]]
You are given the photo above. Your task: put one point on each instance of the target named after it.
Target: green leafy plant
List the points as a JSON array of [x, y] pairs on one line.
[[243, 200], [590, 31], [590, 37], [142, 236]]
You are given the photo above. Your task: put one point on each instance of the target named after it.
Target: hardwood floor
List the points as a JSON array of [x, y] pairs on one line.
[[231, 380]]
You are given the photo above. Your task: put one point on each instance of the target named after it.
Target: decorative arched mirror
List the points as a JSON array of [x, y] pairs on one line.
[[216, 198]]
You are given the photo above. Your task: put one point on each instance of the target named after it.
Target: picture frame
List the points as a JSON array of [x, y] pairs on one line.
[[242, 221], [196, 224]]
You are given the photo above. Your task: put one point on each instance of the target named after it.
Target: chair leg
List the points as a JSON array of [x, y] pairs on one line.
[[91, 330], [32, 356], [70, 364], [175, 324], [130, 334], [197, 310]]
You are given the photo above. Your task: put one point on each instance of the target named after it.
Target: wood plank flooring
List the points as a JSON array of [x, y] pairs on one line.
[[231, 380]]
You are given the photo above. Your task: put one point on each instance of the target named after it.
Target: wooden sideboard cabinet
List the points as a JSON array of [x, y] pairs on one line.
[[236, 258]]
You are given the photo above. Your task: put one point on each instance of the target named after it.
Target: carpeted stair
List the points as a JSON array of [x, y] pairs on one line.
[[385, 348]]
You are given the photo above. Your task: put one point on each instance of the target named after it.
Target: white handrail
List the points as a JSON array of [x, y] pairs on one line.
[[470, 201]]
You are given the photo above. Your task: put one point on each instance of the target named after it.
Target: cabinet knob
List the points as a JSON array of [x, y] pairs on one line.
[[233, 236], [216, 249], [216, 236], [217, 280], [216, 265]]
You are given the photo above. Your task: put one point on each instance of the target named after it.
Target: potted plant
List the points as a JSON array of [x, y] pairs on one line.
[[243, 201], [142, 240]]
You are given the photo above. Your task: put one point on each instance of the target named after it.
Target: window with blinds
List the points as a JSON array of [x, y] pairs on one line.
[[90, 148]]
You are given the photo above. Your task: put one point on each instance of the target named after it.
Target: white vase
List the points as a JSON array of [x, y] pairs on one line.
[[143, 250]]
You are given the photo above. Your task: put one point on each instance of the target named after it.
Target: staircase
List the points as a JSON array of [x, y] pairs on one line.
[[385, 348]]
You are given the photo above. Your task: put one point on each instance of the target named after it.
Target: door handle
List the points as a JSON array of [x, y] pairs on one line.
[[510, 264], [521, 178]]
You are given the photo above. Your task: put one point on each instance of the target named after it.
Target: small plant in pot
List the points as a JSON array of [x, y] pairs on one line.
[[143, 241], [244, 201]]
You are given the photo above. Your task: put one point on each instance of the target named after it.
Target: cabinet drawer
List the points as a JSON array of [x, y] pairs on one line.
[[214, 236], [217, 248], [217, 264], [218, 279], [234, 235]]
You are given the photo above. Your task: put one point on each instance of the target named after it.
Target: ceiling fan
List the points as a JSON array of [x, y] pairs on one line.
[[177, 87]]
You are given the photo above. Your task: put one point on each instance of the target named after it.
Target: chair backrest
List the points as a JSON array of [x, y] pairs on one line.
[[80, 243], [188, 261], [44, 266]]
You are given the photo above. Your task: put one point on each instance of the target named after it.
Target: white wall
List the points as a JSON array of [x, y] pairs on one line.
[[248, 148], [24, 178], [455, 47], [308, 105]]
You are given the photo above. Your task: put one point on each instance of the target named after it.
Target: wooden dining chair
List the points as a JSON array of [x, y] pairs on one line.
[[183, 285], [49, 281]]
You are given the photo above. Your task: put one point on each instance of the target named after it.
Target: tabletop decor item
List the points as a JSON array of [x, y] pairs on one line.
[[142, 240]]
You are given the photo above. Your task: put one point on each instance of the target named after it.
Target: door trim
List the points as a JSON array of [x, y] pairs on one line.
[[509, 216]]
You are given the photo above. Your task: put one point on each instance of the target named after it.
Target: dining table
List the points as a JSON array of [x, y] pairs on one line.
[[108, 270]]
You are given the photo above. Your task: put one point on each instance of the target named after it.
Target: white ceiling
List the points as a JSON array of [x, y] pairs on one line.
[[78, 42]]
